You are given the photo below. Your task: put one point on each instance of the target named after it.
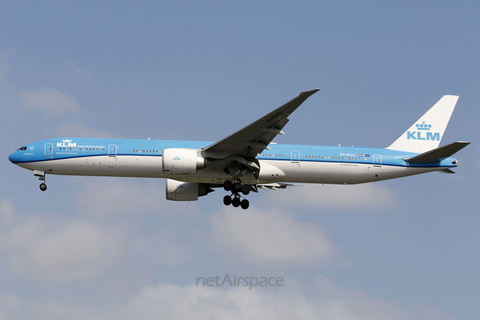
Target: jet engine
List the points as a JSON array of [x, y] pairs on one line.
[[182, 161], [185, 191]]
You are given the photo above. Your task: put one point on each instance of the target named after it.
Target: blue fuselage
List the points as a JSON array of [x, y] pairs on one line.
[[143, 158]]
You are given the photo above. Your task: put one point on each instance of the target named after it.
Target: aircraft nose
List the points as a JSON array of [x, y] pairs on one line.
[[15, 157]]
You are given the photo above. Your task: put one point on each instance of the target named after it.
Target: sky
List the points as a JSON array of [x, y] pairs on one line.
[[115, 248]]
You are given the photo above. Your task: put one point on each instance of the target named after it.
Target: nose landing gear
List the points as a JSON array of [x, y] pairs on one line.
[[234, 199], [41, 176]]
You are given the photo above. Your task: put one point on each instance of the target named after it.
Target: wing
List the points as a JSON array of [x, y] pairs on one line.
[[236, 154], [256, 137]]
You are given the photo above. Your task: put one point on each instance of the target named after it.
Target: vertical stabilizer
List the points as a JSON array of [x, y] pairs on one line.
[[427, 132]]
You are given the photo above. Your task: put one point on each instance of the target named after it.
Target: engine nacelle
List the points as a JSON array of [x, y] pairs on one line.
[[182, 161], [185, 191]]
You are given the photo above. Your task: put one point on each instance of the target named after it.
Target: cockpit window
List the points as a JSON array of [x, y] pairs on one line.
[[22, 148]]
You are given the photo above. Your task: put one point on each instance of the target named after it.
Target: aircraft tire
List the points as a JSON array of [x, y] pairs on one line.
[[236, 202], [245, 189], [227, 200], [237, 187], [227, 185], [245, 204], [43, 186]]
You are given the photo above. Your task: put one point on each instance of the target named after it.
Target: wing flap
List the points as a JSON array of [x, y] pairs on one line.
[[274, 186]]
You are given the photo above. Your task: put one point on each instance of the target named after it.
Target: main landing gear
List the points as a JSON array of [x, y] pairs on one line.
[[234, 199]]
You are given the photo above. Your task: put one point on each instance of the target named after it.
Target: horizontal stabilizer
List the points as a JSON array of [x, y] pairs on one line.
[[447, 171], [438, 154]]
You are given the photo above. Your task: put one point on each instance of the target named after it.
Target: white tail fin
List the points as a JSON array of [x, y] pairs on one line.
[[427, 132]]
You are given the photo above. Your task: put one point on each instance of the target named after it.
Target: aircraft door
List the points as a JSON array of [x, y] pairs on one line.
[[295, 156], [111, 160], [377, 160], [48, 149], [112, 150]]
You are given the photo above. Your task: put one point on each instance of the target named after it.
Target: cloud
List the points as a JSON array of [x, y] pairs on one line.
[[347, 197], [61, 252], [161, 248], [9, 306], [269, 238], [7, 212], [81, 130], [49, 101], [56, 249], [79, 73], [167, 301], [103, 197]]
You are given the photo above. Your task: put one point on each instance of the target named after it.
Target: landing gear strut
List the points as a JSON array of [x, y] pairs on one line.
[[234, 199]]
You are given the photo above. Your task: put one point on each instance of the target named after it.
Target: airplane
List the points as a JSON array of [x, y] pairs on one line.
[[247, 160]]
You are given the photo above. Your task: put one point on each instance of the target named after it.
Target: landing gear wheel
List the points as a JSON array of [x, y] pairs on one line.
[[227, 200], [43, 186], [237, 187], [244, 203], [235, 202], [245, 189], [227, 185]]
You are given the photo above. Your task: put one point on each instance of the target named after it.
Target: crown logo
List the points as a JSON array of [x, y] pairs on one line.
[[423, 126], [66, 140]]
